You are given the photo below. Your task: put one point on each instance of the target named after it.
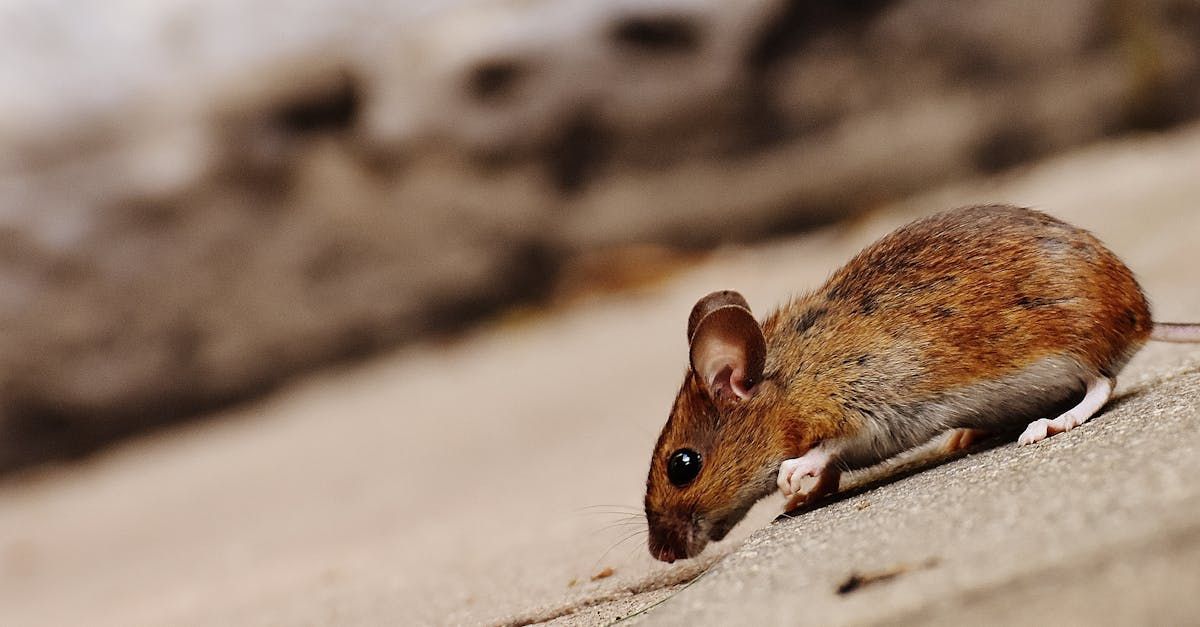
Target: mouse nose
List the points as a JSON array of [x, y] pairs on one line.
[[663, 554], [664, 547]]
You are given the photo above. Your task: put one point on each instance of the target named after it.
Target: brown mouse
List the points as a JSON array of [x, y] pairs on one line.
[[983, 318]]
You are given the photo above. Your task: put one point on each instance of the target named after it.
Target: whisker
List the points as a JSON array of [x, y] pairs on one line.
[[633, 548], [630, 549], [613, 506], [605, 513], [628, 521], [626, 524], [619, 543], [619, 521]]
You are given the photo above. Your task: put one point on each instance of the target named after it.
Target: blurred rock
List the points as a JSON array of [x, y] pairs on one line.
[[198, 199]]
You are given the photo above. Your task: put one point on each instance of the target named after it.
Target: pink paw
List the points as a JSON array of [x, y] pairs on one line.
[[793, 471], [1098, 391]]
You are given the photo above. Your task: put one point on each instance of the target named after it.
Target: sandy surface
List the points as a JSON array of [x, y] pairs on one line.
[[477, 481]]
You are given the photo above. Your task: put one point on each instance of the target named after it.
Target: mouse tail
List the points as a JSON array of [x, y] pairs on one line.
[[1175, 332]]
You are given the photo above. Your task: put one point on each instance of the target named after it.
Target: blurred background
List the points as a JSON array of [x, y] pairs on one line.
[[202, 201]]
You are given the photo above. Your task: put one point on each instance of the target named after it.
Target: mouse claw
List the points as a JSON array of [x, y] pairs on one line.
[[796, 501], [827, 483], [793, 471], [1037, 431]]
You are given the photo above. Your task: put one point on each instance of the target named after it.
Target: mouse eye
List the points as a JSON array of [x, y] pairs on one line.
[[683, 466]]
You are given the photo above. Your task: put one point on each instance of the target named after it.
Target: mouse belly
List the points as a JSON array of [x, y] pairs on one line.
[[1041, 390]]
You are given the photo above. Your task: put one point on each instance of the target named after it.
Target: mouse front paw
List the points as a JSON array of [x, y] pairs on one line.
[[793, 471], [828, 478], [814, 463]]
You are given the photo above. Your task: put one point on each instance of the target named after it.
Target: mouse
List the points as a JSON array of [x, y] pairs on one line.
[[981, 320]]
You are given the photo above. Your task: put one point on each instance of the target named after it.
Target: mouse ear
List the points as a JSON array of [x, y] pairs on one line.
[[728, 351]]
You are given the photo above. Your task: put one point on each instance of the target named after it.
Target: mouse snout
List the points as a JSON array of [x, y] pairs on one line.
[[663, 553], [674, 538]]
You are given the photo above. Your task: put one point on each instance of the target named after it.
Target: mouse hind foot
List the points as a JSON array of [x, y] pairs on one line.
[[961, 439], [1098, 392]]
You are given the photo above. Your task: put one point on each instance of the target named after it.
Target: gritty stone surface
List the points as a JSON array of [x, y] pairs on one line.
[[472, 481], [199, 199]]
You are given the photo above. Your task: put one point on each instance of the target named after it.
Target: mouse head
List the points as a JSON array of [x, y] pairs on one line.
[[714, 458]]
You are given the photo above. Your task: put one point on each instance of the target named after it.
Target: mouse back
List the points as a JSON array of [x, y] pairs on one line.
[[971, 294]]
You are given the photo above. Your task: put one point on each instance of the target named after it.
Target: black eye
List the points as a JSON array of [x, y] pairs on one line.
[[683, 466]]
